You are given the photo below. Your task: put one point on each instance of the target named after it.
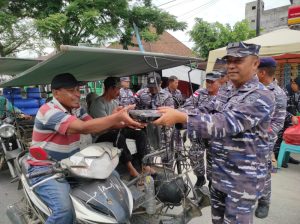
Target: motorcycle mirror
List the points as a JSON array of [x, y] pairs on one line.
[[38, 153]]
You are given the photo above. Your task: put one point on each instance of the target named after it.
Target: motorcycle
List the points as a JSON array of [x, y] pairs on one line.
[[99, 196], [10, 145], [97, 193]]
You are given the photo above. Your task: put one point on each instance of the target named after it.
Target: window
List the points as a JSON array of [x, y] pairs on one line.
[[253, 7], [253, 21]]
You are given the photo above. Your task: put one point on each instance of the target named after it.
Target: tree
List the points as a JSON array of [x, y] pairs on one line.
[[95, 21], [17, 34], [210, 36]]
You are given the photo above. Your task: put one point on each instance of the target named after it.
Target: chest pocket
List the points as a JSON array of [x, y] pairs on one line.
[[220, 103], [245, 97], [233, 101]]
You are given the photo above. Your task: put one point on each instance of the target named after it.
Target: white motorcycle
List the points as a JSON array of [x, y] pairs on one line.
[[98, 195]]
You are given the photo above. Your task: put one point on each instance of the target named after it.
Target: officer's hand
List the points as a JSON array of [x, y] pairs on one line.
[[295, 120], [170, 117]]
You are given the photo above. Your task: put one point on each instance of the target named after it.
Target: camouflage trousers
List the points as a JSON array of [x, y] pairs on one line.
[[196, 155], [230, 209], [266, 193]]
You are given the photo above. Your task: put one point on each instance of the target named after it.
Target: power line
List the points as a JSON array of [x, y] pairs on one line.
[[184, 1], [202, 7], [166, 3], [207, 4]]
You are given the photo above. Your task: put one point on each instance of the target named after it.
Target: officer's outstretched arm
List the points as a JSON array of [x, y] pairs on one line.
[[230, 122]]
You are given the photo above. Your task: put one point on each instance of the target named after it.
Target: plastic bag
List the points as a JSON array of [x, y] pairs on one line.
[[292, 135]]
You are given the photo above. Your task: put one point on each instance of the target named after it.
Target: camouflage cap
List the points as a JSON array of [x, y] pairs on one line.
[[213, 76], [125, 79], [153, 80], [173, 77], [241, 49]]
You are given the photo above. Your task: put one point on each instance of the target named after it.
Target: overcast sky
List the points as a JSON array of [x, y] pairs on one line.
[[223, 11]]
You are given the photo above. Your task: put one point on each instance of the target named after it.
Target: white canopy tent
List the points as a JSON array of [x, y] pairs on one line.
[[274, 43]]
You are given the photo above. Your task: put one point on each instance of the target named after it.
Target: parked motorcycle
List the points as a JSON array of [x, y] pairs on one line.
[[10, 145], [101, 197], [97, 193]]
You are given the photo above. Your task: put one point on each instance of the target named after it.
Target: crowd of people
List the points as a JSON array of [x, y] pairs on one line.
[[235, 121]]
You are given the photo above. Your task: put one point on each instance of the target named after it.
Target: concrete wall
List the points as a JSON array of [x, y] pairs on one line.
[[271, 19]]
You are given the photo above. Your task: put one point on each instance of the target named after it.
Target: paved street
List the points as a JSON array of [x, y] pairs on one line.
[[8, 195], [285, 207]]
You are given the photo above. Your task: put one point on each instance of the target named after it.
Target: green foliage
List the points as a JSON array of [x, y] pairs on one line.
[[151, 22], [17, 34], [210, 36], [95, 21]]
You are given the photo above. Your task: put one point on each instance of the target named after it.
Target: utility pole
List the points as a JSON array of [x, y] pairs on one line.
[[257, 18]]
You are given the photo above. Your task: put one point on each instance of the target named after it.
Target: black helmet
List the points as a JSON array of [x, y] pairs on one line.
[[170, 189]]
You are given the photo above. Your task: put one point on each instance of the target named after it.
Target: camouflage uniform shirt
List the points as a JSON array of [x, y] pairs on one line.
[[177, 97], [278, 117], [126, 97], [145, 100], [239, 133], [200, 98]]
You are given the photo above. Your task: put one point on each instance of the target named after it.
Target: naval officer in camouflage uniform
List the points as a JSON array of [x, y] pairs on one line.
[[199, 99], [174, 91], [239, 136], [266, 72], [153, 97], [126, 96]]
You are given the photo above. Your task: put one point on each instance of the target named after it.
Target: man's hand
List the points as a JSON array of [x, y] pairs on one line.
[[126, 120], [129, 107], [117, 109], [170, 117]]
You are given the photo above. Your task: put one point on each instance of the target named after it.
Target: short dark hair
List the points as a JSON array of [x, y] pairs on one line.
[[111, 82], [297, 81]]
